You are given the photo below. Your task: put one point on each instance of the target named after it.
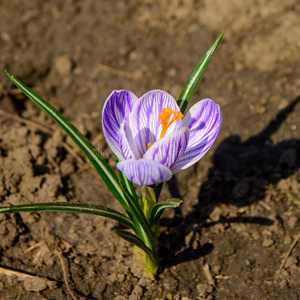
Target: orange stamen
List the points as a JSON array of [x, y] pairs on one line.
[[149, 145], [165, 119]]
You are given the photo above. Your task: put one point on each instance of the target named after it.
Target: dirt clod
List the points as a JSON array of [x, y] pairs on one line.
[[241, 208], [63, 64], [267, 243]]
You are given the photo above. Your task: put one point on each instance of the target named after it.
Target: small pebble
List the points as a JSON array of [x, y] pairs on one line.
[[266, 233], [256, 235], [291, 261], [292, 222], [216, 213], [267, 243], [136, 293], [67, 167], [170, 296], [63, 64], [35, 284]]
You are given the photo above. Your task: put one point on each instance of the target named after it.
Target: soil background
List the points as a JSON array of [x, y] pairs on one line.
[[240, 213]]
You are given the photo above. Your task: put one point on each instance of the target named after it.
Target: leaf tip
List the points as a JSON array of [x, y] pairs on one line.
[[220, 36], [177, 202], [7, 73]]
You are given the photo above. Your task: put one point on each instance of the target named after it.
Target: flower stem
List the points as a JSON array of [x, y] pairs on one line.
[[144, 262]]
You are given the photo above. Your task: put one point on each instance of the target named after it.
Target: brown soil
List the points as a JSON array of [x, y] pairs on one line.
[[240, 213]]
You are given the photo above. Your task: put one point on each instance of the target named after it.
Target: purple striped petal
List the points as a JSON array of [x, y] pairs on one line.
[[116, 109], [204, 120], [144, 172], [144, 120], [166, 150], [125, 142]]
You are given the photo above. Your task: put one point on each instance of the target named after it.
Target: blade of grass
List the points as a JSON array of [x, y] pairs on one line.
[[78, 138], [190, 87], [196, 75], [138, 217], [128, 184], [158, 191], [80, 208], [159, 208]]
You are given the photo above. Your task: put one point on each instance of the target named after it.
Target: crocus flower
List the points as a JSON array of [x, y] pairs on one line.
[[151, 137]]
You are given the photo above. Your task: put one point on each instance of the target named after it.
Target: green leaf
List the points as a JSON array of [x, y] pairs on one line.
[[158, 209], [139, 219], [196, 75], [148, 200], [190, 87], [158, 190], [128, 184], [78, 138], [128, 236], [80, 208]]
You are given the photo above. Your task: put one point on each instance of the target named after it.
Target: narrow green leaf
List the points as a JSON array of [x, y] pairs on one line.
[[80, 208], [128, 184], [148, 200], [196, 75], [78, 138], [139, 219], [158, 190], [128, 236], [190, 87], [158, 209]]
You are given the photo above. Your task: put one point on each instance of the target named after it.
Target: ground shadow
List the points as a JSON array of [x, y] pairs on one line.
[[240, 174]]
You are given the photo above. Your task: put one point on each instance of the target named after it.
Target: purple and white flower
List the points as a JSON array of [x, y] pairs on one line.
[[152, 139]]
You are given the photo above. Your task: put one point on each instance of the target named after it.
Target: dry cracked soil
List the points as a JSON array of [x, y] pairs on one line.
[[240, 211]]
